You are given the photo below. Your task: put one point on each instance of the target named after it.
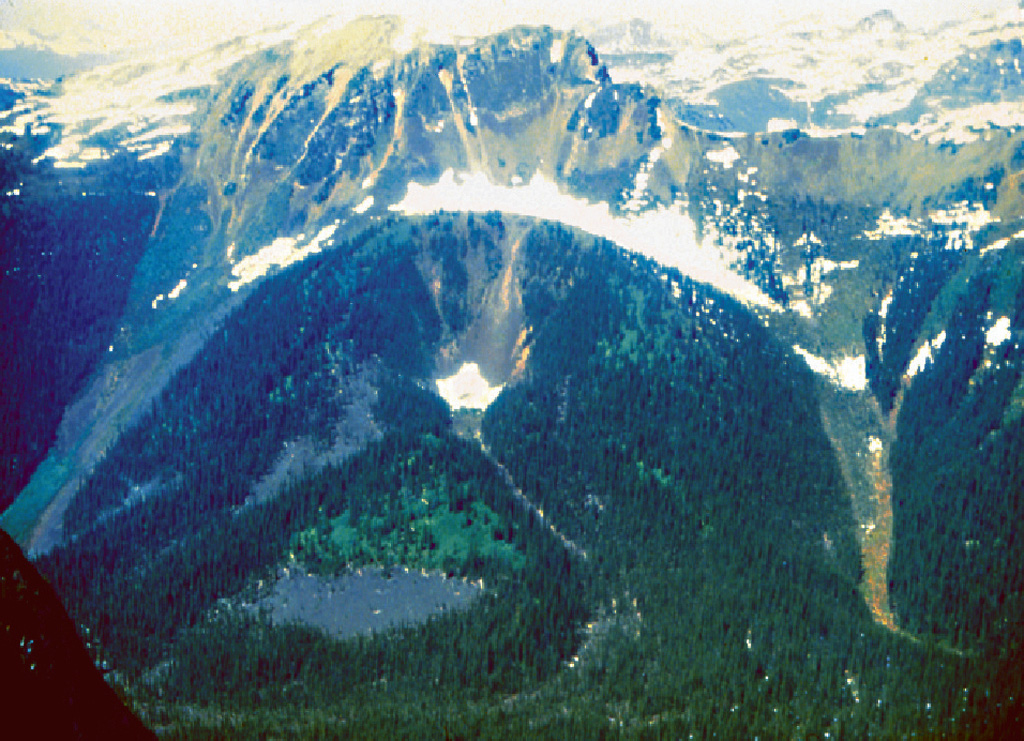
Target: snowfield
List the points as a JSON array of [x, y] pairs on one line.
[[666, 235], [468, 389]]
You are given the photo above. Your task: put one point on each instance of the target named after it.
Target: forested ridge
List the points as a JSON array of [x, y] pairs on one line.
[[657, 424], [959, 481], [68, 256]]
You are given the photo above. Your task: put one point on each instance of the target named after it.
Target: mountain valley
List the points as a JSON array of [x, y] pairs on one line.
[[713, 426]]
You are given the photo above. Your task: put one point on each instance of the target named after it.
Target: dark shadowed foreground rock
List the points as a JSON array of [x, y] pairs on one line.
[[51, 687]]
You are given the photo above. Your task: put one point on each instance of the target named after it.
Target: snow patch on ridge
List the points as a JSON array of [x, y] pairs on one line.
[[664, 234], [173, 294], [883, 314], [776, 125], [972, 216], [468, 389], [924, 355], [962, 221], [890, 226], [997, 245], [282, 252], [636, 199], [848, 372], [176, 291], [999, 332], [724, 157], [822, 266], [557, 50]]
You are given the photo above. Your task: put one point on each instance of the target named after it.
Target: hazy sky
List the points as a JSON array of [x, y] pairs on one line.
[[113, 26]]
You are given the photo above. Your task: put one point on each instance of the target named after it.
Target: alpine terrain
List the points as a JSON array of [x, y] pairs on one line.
[[615, 381]]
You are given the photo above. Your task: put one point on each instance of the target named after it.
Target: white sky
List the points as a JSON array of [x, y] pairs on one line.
[[113, 26]]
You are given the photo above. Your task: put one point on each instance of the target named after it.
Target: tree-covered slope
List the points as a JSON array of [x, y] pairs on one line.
[[653, 509], [69, 254], [957, 477]]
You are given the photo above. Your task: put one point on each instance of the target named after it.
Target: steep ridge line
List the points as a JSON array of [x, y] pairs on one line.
[[118, 397]]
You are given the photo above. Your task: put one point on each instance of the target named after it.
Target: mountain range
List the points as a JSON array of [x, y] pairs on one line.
[[659, 399]]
